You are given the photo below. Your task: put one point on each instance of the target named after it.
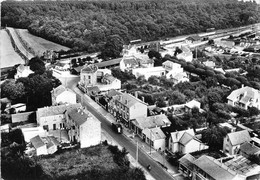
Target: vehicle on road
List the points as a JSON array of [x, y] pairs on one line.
[[117, 128]]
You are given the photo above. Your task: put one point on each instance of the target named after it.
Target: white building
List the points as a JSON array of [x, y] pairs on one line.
[[155, 137], [148, 72], [31, 132], [82, 127], [23, 71], [63, 95], [245, 97], [172, 69]]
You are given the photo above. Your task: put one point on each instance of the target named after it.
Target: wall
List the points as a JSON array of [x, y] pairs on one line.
[[138, 110], [160, 143], [66, 97], [50, 120], [41, 150], [20, 117], [193, 146]]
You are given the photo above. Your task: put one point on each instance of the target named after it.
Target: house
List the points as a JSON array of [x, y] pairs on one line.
[[172, 69], [82, 127], [210, 64], [192, 104], [193, 39], [16, 108], [63, 95], [206, 167], [126, 107], [247, 149], [245, 97], [5, 128], [185, 142], [23, 71], [155, 138], [44, 145], [128, 63], [53, 117], [180, 77], [62, 66], [92, 76], [139, 124], [148, 72], [233, 141], [186, 54]]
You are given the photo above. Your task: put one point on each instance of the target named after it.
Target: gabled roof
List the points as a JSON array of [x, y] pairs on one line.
[[94, 89], [37, 142], [152, 121], [156, 133], [78, 115], [186, 137], [249, 148], [109, 77], [194, 38], [246, 93], [113, 92], [55, 110], [193, 103], [176, 136], [187, 160], [209, 63], [180, 76], [214, 168], [131, 60], [239, 137], [108, 63]]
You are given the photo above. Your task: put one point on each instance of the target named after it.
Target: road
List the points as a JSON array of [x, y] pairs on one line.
[[157, 172]]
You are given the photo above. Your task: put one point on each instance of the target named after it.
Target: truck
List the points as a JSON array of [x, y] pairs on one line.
[[117, 127]]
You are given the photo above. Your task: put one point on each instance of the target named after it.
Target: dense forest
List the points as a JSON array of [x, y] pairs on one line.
[[89, 25]]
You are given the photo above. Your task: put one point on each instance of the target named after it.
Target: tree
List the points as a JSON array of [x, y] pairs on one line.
[[37, 65], [213, 136], [154, 54], [176, 97], [213, 97], [160, 103], [113, 47], [13, 90], [253, 111]]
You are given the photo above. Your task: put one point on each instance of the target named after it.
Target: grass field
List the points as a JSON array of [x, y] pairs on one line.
[[8, 56], [39, 45], [76, 161]]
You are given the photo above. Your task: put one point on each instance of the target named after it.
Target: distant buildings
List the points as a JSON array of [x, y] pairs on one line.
[[245, 97]]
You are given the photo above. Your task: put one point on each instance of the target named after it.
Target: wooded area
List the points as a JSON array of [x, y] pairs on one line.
[[88, 25]]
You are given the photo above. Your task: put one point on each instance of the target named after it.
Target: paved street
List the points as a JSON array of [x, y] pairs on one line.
[[157, 171]]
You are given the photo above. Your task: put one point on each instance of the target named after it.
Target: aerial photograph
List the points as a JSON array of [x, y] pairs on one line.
[[130, 89]]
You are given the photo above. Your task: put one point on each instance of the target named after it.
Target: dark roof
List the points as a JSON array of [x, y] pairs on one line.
[[186, 137], [108, 63], [78, 115], [187, 160], [239, 137], [249, 148], [113, 92], [89, 69], [78, 69], [37, 142], [91, 89], [194, 38]]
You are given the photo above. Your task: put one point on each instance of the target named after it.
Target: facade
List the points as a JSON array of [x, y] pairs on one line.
[[172, 69], [126, 107], [186, 54], [148, 72], [82, 127], [245, 97], [31, 132], [88, 75], [155, 138], [139, 124], [62, 95], [185, 142], [23, 71], [53, 117], [233, 141]]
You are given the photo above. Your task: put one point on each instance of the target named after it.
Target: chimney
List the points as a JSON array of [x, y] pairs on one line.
[[143, 98], [242, 85], [136, 94]]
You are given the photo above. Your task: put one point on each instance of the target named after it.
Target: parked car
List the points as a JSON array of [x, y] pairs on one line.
[[117, 128]]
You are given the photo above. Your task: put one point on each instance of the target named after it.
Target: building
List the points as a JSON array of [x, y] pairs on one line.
[[23, 71], [186, 165], [180, 77], [210, 64], [247, 149], [63, 95], [186, 54], [155, 138], [233, 141], [193, 39], [192, 104], [109, 64], [31, 132], [245, 97], [44, 145], [139, 124], [126, 107], [53, 117], [184, 142], [172, 69], [91, 76], [82, 127], [148, 72]]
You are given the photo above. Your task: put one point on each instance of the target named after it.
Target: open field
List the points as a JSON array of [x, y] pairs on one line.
[[38, 44], [7, 54]]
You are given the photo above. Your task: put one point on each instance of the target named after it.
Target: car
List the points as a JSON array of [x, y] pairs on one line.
[[117, 127]]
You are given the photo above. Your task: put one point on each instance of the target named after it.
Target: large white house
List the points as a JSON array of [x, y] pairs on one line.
[[245, 97], [148, 72], [23, 71], [155, 137], [172, 69]]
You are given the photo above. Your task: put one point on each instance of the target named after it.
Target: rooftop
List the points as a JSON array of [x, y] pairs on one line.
[[37, 142], [129, 100], [78, 115], [108, 63], [152, 121], [55, 110], [187, 160], [176, 136], [60, 89], [89, 69], [239, 137], [249, 148], [244, 94], [156, 133], [186, 137]]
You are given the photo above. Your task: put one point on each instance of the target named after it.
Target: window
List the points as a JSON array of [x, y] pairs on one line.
[[45, 127], [54, 126]]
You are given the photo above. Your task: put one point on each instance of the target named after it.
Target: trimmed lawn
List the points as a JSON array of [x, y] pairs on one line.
[[38, 44]]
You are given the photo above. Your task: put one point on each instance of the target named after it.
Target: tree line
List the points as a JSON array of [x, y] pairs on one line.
[[89, 25]]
